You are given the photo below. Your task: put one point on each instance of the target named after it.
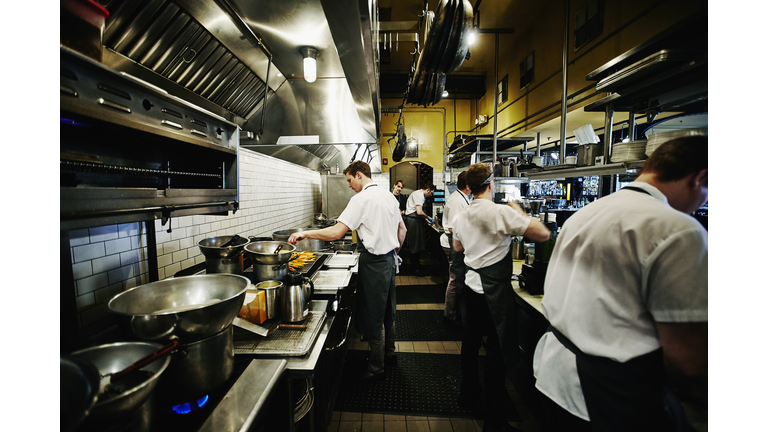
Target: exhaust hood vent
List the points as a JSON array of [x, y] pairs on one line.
[[162, 37]]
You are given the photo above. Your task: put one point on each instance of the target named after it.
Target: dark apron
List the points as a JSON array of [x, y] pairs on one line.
[[376, 291], [629, 396], [417, 239], [496, 280]]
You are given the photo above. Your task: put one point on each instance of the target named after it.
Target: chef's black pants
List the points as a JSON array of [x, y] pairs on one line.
[[479, 323]]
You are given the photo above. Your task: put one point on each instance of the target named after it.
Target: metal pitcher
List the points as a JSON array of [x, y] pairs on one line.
[[297, 292]]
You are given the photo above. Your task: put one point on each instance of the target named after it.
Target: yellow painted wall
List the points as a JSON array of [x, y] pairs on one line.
[[633, 24], [426, 125]]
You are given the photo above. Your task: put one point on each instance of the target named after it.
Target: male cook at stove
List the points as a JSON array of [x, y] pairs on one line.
[[483, 231], [375, 214], [626, 297]]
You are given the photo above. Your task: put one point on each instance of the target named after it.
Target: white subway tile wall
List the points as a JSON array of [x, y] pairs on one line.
[[274, 195]]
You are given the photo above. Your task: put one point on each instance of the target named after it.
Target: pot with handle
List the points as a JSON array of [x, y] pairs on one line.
[[297, 292]]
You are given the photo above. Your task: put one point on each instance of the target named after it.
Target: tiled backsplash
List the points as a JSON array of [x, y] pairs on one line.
[[274, 195]]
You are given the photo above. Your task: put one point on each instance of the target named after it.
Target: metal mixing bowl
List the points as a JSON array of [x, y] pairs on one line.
[[264, 252], [191, 308], [113, 358], [78, 388], [211, 247]]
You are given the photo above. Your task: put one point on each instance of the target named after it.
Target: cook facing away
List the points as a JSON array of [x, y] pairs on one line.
[[374, 213], [626, 296]]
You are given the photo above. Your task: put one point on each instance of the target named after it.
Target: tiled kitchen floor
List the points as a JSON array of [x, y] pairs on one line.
[[365, 422]]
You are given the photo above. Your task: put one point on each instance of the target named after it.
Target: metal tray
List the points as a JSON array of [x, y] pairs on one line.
[[281, 342], [342, 260], [331, 278]]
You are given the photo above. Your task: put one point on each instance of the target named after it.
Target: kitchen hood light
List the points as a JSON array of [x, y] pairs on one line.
[[445, 93], [310, 63]]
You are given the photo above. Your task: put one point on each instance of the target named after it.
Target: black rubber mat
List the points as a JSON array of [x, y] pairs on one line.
[[420, 384], [424, 325], [420, 294]]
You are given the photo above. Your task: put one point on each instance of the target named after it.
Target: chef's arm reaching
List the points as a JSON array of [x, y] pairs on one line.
[[457, 246], [685, 359], [536, 230], [326, 234]]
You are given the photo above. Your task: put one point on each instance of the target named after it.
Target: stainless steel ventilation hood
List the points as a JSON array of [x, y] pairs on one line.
[[216, 54]]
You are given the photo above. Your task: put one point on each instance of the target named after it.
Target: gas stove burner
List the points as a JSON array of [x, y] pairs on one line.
[[188, 407]]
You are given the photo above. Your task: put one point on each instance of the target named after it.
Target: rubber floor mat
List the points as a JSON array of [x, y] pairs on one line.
[[420, 294], [424, 325], [420, 384]]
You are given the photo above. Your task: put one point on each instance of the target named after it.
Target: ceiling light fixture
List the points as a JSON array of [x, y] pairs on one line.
[[445, 93], [310, 63], [473, 33]]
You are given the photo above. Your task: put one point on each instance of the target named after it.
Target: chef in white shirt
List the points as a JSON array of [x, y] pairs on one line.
[[373, 212], [483, 231], [456, 202], [414, 221]]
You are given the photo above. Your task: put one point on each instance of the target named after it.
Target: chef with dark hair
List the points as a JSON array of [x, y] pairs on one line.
[[415, 219], [373, 212], [626, 296], [483, 231]]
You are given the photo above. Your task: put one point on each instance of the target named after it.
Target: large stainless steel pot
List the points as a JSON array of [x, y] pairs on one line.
[[201, 366], [190, 308], [586, 154], [219, 259], [269, 272], [263, 252], [135, 389], [306, 245]]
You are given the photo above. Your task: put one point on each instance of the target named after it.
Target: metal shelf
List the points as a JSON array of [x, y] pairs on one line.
[[594, 170]]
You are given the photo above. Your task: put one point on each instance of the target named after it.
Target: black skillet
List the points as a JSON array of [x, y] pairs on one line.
[[438, 36], [452, 44], [463, 47]]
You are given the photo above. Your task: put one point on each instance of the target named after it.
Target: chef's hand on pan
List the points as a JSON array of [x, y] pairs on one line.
[[295, 238]]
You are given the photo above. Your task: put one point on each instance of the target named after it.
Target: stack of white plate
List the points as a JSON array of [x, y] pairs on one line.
[[629, 151], [657, 139]]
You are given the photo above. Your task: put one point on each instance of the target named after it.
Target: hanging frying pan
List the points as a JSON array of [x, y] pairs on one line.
[[429, 88], [440, 88], [452, 43], [436, 41], [463, 46]]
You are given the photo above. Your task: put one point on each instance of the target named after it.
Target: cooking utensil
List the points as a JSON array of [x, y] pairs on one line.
[[263, 253], [160, 353], [292, 327], [586, 154], [78, 391], [234, 238], [463, 48], [298, 291], [117, 400], [280, 246], [223, 254], [273, 290], [189, 308], [343, 245], [201, 366]]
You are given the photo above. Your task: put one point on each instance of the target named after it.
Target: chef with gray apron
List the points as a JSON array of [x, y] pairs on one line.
[[483, 231], [374, 213], [414, 221]]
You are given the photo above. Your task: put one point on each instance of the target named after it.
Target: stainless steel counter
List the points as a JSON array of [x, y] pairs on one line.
[[244, 401]]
